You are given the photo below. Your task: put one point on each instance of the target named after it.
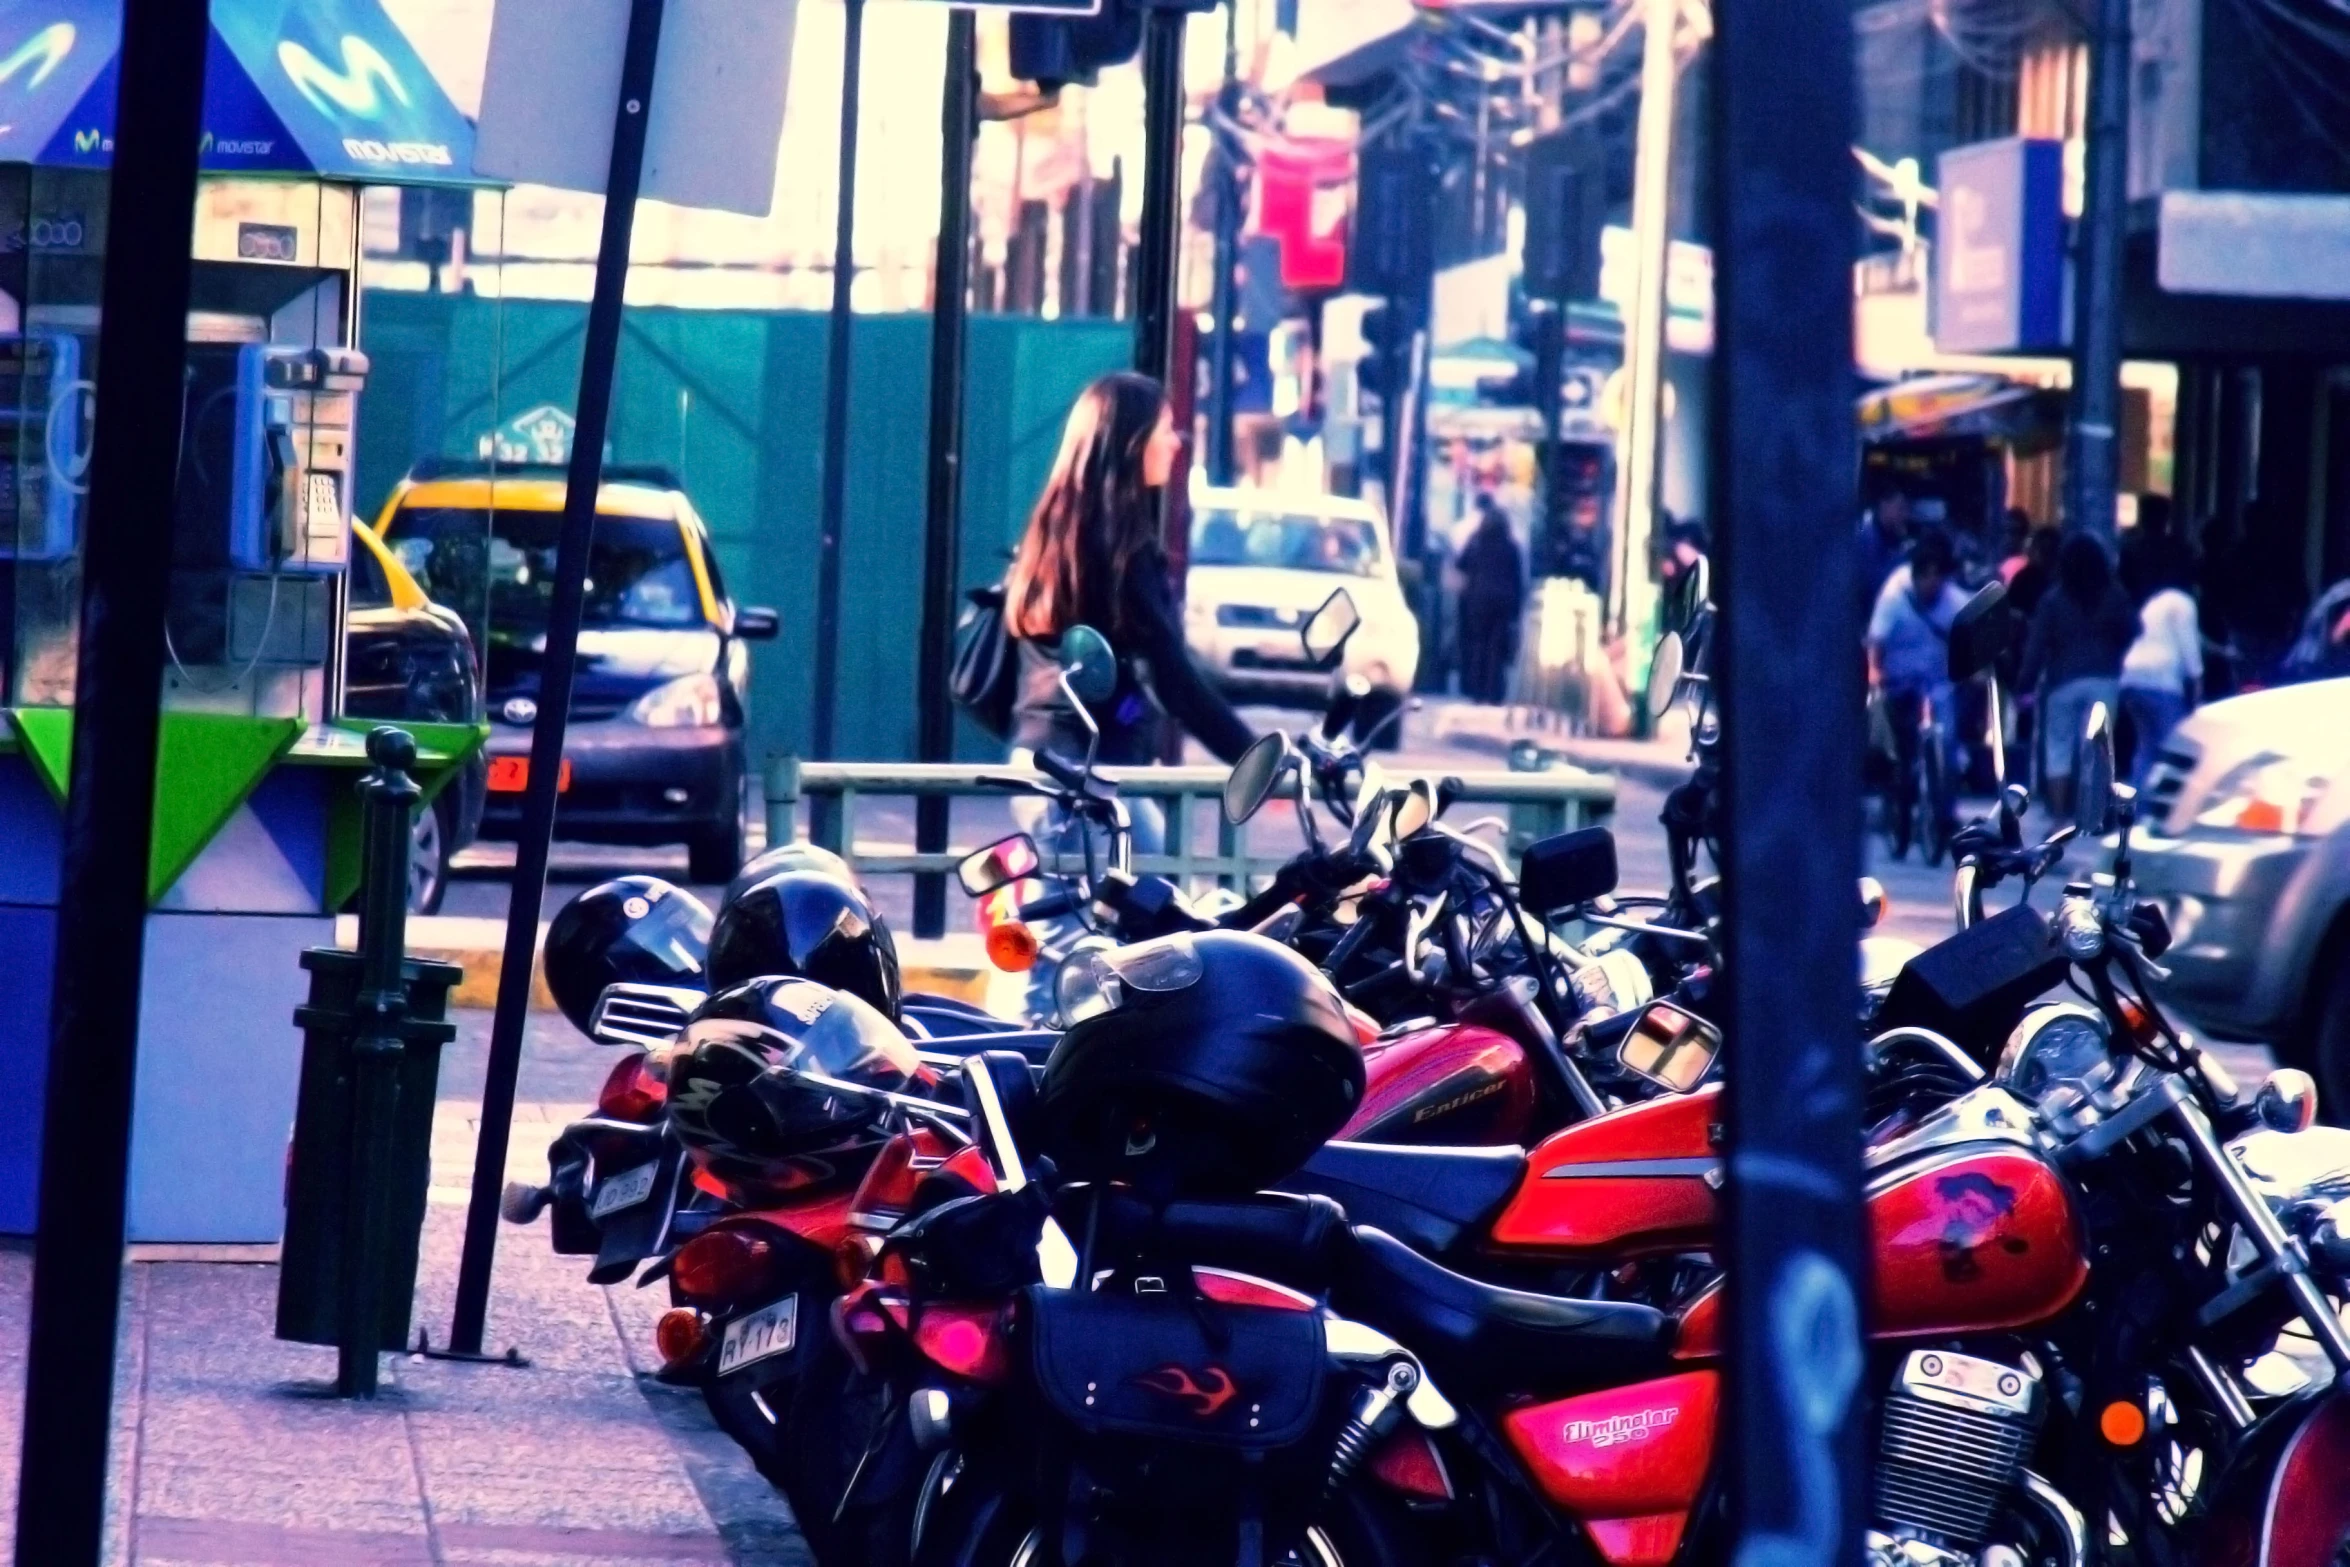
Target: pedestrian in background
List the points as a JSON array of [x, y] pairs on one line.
[[2163, 670], [1493, 595], [1909, 666], [2073, 656], [1884, 545]]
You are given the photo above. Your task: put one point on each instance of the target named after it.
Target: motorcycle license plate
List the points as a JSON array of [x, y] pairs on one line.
[[771, 1330], [511, 775], [624, 1190]]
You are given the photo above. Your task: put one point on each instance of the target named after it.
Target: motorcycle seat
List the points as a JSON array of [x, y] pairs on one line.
[[1429, 1198], [1479, 1339]]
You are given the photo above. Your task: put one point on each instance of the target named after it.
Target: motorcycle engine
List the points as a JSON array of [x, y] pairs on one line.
[[1956, 1432]]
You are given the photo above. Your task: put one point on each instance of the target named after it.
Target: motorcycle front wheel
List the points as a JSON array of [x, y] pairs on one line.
[[965, 1519]]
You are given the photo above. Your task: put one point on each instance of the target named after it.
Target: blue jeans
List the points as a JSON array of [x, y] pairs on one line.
[[2153, 714]]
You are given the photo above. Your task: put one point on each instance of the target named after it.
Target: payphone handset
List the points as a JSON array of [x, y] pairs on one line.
[[290, 491], [44, 444]]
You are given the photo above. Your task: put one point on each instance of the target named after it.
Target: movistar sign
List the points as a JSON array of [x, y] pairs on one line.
[[329, 87]]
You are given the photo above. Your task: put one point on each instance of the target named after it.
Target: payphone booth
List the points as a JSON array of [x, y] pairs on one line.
[[255, 830]]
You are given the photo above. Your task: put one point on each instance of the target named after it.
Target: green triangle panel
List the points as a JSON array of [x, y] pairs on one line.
[[47, 736], [207, 763]]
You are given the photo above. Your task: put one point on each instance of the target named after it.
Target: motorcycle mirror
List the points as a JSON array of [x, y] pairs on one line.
[[2093, 774], [1671, 1047], [1327, 630], [1000, 864], [1664, 673], [1090, 665], [1568, 870], [1255, 776], [1981, 632], [1415, 808], [1872, 902], [1449, 790]]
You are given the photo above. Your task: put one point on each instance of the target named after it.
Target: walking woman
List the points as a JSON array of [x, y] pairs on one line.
[[2080, 632]]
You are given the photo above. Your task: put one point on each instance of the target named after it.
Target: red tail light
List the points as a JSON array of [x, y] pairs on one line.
[[679, 1336], [722, 1266], [965, 1340], [631, 1093]]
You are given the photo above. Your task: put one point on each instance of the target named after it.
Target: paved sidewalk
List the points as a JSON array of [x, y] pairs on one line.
[[230, 1448]]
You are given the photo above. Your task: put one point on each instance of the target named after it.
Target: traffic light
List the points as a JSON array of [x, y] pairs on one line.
[[1387, 329], [1566, 204], [1389, 251]]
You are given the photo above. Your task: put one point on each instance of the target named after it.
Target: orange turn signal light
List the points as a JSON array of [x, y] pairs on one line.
[[679, 1336], [1011, 946], [2122, 1423]]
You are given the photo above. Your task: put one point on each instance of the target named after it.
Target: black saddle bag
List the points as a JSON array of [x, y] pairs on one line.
[[1173, 1367]]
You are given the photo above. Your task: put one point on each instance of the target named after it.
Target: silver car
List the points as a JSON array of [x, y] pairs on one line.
[[2246, 842]]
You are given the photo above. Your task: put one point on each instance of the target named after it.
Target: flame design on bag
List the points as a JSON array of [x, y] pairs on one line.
[[1204, 1396]]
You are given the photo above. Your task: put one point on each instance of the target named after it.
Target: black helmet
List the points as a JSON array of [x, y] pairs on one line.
[[787, 857], [811, 926], [764, 1082], [1197, 1065], [636, 928]]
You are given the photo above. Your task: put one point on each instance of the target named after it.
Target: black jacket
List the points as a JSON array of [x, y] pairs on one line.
[[1155, 676]]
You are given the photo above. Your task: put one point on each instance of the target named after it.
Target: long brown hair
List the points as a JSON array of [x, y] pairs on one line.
[[1094, 519]]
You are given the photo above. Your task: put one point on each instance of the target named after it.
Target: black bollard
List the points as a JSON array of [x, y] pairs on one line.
[[388, 797]]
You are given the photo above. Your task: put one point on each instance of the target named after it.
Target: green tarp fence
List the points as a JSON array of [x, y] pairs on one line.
[[733, 400]]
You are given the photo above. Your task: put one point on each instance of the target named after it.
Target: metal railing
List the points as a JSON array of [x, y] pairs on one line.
[[1537, 805]]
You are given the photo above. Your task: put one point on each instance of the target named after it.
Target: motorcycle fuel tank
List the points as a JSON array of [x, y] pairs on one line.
[[1976, 1238], [1625, 1462], [1454, 1084], [1640, 1180]]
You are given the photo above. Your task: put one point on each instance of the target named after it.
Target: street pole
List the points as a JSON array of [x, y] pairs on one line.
[[942, 534], [2093, 454], [558, 664], [1630, 592], [1224, 169], [110, 799], [1790, 692], [1162, 180], [836, 397]]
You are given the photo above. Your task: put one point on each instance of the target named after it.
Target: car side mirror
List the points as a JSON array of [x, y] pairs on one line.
[[1000, 864], [1327, 631], [2093, 774], [1255, 776], [1981, 632], [1568, 870], [757, 623], [1090, 665]]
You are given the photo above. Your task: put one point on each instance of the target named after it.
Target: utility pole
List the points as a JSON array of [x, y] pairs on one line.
[[1162, 181], [1630, 593], [558, 665], [1789, 688], [942, 532], [1224, 169], [823, 719], [2093, 454], [110, 803]]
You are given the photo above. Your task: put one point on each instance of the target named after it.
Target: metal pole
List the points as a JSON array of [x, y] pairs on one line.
[[1789, 684], [1224, 169], [388, 796], [836, 396], [1644, 332], [1162, 180], [558, 664], [2093, 455], [110, 802], [942, 534]]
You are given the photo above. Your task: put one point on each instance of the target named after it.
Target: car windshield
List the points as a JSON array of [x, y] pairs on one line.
[[1292, 541], [638, 572]]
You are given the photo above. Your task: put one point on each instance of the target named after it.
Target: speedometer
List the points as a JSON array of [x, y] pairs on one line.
[[2062, 1044]]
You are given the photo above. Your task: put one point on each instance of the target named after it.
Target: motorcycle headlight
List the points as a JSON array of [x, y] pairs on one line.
[[2267, 794], [689, 702], [1087, 986], [2063, 1044]]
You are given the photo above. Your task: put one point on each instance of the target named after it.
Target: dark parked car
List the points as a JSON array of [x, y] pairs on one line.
[[654, 752], [407, 658]]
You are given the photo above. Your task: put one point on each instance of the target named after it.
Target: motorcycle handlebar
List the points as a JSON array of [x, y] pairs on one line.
[[1341, 712], [1067, 774]]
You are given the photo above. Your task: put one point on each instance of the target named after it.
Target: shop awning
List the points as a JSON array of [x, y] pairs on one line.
[[318, 87], [1933, 407]]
